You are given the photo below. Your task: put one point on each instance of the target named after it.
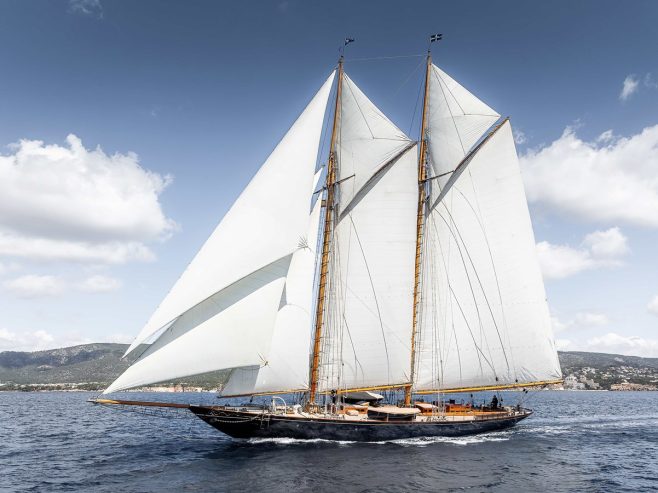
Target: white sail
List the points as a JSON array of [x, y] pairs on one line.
[[230, 329], [368, 323], [484, 318], [367, 140], [263, 225], [456, 121], [286, 365]]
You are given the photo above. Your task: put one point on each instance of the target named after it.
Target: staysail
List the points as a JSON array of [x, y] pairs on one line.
[[484, 317], [221, 312], [285, 366], [371, 280]]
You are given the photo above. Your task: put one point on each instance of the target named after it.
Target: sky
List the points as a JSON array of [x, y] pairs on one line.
[[127, 129]]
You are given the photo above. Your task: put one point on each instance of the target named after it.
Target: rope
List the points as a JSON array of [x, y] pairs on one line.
[[369, 59]]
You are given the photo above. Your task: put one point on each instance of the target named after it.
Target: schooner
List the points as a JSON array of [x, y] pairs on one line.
[[398, 265]]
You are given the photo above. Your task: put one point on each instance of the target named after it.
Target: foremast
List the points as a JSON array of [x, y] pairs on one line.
[[420, 223], [326, 240]]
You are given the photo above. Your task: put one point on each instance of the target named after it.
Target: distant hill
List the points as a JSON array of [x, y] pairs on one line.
[[94, 366], [99, 363], [600, 361]]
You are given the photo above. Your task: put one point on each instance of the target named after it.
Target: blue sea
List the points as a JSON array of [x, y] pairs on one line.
[[576, 441]]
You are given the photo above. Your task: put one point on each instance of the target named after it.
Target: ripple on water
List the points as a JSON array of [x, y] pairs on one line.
[[574, 442]]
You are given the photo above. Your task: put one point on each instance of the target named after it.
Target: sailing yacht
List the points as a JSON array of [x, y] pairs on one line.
[[399, 266]]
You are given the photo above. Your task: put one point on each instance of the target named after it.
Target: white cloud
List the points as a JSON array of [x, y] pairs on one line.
[[38, 340], [606, 137], [582, 320], [519, 136], [631, 84], [92, 8], [35, 286], [598, 250], [39, 286], [608, 244], [653, 305], [42, 249], [71, 203], [614, 179], [99, 284], [620, 344]]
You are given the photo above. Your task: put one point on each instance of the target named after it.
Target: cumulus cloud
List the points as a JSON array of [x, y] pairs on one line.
[[600, 249], [39, 286], [653, 305], [38, 340], [620, 344], [630, 86], [34, 286], [71, 203], [613, 179], [614, 343]]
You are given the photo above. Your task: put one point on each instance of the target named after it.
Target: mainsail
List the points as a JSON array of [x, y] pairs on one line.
[[484, 318], [371, 280]]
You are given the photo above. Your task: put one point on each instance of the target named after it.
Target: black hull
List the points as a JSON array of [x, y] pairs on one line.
[[239, 424]]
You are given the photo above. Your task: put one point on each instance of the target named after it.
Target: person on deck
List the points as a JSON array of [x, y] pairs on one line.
[[494, 402]]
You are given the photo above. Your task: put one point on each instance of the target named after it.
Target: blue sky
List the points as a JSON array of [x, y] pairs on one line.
[[186, 99]]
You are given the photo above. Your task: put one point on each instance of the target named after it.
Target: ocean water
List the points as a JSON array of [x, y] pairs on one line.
[[576, 441]]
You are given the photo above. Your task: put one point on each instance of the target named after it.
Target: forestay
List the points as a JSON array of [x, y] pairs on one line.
[[263, 225], [484, 317]]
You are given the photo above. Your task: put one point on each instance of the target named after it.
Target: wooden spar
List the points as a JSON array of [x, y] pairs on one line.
[[420, 220], [492, 387], [324, 263], [254, 394], [119, 402], [366, 389]]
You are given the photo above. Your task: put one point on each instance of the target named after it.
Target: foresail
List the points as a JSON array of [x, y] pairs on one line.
[[230, 329], [484, 316], [456, 121], [263, 225], [368, 325], [285, 366]]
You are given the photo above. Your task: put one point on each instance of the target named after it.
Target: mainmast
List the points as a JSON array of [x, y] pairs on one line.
[[420, 223], [328, 220]]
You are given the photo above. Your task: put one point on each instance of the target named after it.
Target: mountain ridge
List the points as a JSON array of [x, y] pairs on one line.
[[94, 366]]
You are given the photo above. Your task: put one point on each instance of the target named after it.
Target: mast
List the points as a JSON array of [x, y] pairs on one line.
[[420, 222], [328, 220]]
